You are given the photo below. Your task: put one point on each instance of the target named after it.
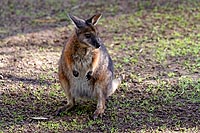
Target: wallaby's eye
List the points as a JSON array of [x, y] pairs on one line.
[[88, 35]]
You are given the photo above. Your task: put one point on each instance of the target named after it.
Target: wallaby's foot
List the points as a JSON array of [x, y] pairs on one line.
[[64, 108], [97, 113]]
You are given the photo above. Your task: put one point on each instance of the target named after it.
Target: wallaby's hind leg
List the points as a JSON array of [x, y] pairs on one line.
[[70, 100], [100, 105], [70, 104]]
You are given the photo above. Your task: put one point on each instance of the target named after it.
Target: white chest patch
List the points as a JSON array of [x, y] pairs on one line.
[[81, 87]]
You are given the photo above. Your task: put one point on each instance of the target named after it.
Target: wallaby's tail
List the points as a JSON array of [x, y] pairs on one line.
[[115, 85]]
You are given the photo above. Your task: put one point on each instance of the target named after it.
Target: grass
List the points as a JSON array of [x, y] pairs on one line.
[[155, 48]]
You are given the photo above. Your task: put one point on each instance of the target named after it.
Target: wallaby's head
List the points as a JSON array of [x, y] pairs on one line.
[[86, 31]]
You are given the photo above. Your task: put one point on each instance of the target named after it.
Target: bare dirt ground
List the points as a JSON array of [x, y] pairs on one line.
[[155, 47]]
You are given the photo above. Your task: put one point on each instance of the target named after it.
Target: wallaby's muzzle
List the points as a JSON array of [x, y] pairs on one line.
[[95, 42]]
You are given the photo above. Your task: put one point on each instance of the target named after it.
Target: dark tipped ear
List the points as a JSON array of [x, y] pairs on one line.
[[78, 23], [94, 19]]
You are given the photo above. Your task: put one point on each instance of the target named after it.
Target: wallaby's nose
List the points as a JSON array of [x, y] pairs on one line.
[[96, 42], [97, 45]]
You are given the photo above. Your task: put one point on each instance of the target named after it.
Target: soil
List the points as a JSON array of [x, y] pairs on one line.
[[32, 35]]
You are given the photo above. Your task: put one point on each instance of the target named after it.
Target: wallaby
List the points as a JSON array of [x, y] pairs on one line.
[[85, 67]]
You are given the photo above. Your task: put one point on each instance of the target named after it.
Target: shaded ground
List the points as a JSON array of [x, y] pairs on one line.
[[155, 47]]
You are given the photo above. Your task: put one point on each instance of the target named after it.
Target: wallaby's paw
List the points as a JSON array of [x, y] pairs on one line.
[[95, 116], [98, 113], [89, 75], [59, 111], [64, 108]]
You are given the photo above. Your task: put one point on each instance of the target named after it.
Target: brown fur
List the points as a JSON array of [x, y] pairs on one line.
[[85, 69]]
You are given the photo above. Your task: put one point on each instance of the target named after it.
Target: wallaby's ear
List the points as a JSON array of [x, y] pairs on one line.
[[94, 19], [79, 23]]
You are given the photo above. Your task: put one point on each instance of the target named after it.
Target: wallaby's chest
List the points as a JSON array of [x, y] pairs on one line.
[[82, 87], [82, 60]]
